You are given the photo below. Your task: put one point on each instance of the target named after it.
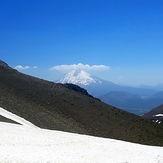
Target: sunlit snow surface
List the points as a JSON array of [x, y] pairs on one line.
[[158, 115], [79, 77], [16, 118], [22, 144]]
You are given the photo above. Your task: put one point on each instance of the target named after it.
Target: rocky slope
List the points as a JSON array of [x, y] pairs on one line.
[[155, 115], [53, 106]]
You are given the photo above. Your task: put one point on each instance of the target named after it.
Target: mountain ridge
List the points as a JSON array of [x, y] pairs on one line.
[[52, 106], [140, 100], [131, 102], [98, 87], [155, 115]]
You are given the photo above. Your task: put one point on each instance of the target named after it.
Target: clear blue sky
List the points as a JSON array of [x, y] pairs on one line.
[[125, 36]]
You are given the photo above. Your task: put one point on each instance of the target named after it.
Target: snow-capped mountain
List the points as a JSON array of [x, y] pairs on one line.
[[98, 87], [79, 78]]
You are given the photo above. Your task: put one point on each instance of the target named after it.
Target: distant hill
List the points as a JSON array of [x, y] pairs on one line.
[[131, 99], [157, 95], [132, 103], [156, 115], [158, 87], [54, 106]]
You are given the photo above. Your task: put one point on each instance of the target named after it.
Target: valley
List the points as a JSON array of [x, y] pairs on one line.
[[136, 100]]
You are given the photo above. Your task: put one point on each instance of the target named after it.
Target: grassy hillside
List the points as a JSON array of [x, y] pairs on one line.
[[53, 106]]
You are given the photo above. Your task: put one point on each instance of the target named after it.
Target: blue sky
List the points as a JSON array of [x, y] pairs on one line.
[[123, 39]]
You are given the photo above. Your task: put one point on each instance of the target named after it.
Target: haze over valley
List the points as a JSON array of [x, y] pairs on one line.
[[137, 100]]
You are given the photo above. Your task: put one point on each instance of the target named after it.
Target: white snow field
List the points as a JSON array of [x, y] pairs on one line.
[[29, 144], [15, 118]]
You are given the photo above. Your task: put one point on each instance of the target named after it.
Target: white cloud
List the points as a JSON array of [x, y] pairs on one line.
[[19, 67], [79, 66]]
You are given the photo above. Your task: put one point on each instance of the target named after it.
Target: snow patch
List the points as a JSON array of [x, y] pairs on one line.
[[22, 144], [158, 115], [34, 145], [15, 118]]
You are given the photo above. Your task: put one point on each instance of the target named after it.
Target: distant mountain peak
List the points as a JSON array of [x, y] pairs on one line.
[[79, 77]]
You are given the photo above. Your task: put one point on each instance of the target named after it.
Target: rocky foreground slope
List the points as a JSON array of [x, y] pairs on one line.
[[53, 106]]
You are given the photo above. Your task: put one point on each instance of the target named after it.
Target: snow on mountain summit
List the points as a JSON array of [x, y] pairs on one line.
[[79, 77]]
